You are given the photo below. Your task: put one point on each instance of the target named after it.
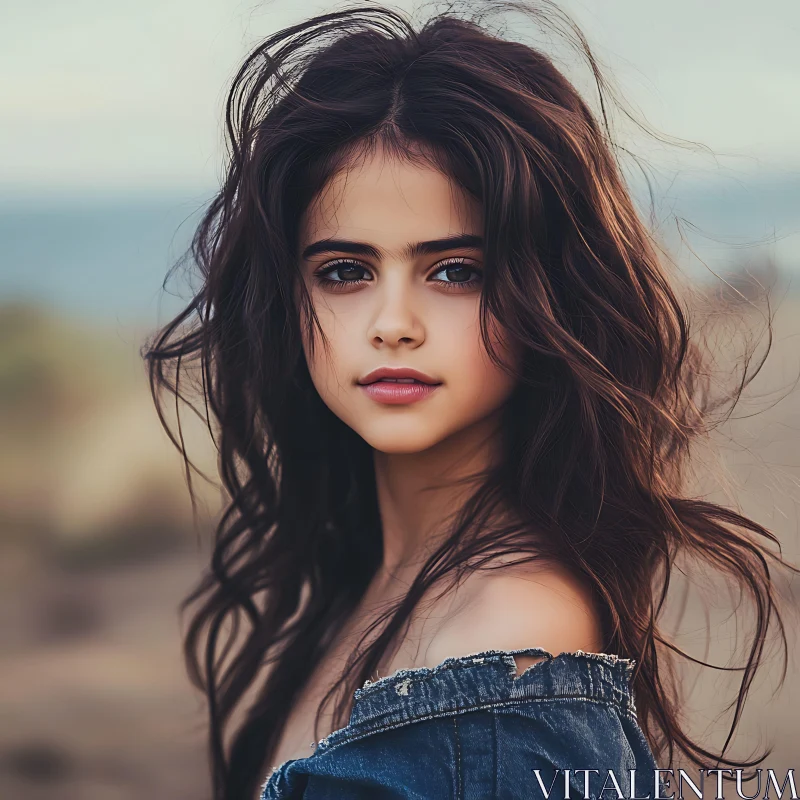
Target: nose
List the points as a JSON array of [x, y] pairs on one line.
[[394, 321]]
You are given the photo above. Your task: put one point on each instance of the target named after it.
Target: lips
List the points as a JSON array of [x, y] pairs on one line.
[[397, 375], [398, 392], [398, 385], [397, 380]]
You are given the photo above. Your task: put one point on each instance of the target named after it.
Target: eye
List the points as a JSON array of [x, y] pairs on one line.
[[347, 272], [457, 271]]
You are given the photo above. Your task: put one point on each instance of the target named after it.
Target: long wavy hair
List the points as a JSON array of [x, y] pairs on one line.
[[611, 390]]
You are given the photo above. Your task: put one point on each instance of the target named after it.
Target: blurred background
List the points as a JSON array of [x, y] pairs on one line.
[[110, 147]]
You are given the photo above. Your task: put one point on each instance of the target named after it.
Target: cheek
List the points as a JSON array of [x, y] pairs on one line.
[[329, 363], [472, 366]]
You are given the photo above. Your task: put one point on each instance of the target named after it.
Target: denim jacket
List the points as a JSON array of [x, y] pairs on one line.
[[471, 728]]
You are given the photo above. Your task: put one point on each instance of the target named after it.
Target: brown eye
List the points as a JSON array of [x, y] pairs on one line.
[[342, 274], [345, 271], [458, 274]]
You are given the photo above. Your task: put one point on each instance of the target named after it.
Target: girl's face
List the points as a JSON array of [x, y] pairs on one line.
[[391, 291]]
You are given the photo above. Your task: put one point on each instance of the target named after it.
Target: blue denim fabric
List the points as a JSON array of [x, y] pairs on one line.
[[472, 729]]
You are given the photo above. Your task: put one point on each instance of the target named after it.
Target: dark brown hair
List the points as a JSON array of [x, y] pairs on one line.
[[611, 390]]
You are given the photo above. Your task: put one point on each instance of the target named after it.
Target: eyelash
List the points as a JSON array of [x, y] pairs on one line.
[[450, 286]]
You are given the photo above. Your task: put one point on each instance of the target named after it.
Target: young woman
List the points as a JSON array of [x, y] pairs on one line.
[[454, 394]]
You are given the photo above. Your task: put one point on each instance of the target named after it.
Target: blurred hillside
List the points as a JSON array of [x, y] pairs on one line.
[[85, 473], [98, 544]]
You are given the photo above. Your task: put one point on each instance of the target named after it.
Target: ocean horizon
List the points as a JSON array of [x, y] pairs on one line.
[[104, 256]]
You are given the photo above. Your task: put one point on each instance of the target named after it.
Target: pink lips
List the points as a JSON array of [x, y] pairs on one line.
[[398, 393], [398, 385]]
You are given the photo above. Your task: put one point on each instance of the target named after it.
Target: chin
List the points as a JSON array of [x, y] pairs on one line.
[[400, 440]]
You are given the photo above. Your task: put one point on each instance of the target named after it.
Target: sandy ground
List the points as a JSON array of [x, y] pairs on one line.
[[95, 703]]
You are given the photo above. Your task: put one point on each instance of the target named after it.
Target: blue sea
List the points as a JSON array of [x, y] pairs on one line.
[[104, 257]]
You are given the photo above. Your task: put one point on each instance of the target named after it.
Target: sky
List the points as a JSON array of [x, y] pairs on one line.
[[123, 97]]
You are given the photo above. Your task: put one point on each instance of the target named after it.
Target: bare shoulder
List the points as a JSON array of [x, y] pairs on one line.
[[532, 605]]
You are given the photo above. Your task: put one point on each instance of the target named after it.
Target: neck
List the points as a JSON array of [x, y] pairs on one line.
[[419, 492]]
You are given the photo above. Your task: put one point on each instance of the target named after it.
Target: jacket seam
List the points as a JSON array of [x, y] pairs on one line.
[[469, 709], [416, 674], [459, 778], [495, 757]]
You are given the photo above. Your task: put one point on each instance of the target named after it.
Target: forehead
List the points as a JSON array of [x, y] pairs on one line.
[[382, 198]]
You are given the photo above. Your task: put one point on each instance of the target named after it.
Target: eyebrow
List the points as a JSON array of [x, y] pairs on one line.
[[410, 251]]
